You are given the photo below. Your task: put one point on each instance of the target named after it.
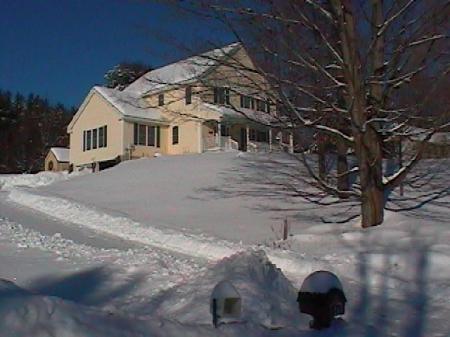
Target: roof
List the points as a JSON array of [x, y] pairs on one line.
[[61, 153], [178, 72], [243, 113], [129, 105]]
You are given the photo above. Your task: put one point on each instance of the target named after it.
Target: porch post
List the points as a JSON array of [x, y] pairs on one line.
[[247, 134], [291, 142], [270, 139], [219, 134]]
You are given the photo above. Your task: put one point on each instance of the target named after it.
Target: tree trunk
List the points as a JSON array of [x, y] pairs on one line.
[[369, 155]]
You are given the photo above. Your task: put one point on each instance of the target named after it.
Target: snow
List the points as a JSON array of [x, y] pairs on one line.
[[321, 282], [61, 153], [396, 276], [177, 72], [8, 182], [128, 104]]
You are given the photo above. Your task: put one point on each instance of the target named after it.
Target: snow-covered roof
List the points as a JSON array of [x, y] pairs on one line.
[[61, 153], [181, 71], [249, 114], [129, 105]]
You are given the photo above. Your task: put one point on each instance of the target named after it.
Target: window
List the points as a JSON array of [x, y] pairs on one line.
[[252, 134], [158, 136], [175, 135], [224, 130], [221, 95], [105, 132], [260, 105], [151, 136], [142, 131], [101, 136], [188, 95], [262, 136], [146, 135], [246, 102], [136, 133], [94, 138], [88, 140], [161, 99]]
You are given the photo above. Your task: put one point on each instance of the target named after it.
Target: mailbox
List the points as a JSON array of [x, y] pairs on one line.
[[322, 297], [225, 303]]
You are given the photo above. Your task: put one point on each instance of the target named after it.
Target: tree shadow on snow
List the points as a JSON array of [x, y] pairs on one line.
[[96, 286]]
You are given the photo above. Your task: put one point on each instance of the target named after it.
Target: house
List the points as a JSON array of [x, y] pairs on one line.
[[203, 103], [57, 159]]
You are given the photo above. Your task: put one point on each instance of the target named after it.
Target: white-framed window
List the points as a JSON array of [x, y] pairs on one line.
[[222, 95], [188, 95], [95, 138], [147, 135], [246, 101], [175, 135], [142, 134], [88, 139]]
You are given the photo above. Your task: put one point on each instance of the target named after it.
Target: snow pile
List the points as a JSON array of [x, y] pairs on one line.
[[8, 182], [25, 314], [267, 296]]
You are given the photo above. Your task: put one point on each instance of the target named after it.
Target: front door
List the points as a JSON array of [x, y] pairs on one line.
[[243, 142]]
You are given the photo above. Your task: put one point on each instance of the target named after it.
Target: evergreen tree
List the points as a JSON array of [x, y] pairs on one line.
[[124, 74]]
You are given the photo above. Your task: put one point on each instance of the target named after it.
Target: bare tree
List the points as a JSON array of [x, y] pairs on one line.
[[345, 69]]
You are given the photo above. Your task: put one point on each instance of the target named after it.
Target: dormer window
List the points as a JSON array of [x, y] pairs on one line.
[[222, 96], [160, 99], [188, 95], [246, 102]]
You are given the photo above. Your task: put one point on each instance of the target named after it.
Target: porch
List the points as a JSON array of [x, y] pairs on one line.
[[244, 136]]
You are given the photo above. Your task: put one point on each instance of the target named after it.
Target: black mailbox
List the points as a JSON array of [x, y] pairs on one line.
[[322, 297]]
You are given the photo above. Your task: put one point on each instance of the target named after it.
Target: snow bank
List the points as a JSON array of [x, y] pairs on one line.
[[268, 298], [25, 314], [193, 245], [8, 182]]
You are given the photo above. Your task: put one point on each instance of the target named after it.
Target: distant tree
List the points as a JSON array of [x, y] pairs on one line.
[[28, 128], [124, 73]]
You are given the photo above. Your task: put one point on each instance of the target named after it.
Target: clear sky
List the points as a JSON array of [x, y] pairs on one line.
[[59, 49]]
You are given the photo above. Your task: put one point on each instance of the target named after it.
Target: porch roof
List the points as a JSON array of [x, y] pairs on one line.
[[243, 115]]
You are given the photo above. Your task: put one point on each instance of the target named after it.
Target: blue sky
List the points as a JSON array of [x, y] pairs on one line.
[[59, 49]]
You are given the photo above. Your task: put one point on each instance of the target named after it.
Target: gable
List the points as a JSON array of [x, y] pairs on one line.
[[83, 107]]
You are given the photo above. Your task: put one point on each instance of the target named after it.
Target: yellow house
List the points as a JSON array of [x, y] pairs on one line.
[[199, 104], [57, 159]]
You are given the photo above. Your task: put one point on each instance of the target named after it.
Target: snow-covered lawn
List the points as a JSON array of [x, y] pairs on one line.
[[185, 216]]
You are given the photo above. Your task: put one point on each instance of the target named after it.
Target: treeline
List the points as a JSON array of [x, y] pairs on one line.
[[28, 128]]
